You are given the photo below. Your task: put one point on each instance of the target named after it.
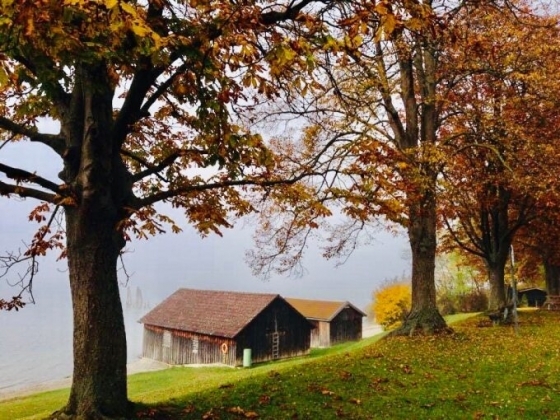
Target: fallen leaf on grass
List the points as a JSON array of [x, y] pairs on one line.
[[406, 369], [534, 382], [209, 415], [236, 410], [356, 401], [264, 399], [247, 414], [326, 392], [344, 375], [189, 409]]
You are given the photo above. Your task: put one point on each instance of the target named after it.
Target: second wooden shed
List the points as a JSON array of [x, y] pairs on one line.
[[335, 322]]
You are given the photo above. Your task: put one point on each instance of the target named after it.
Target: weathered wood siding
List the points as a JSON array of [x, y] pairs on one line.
[[292, 329], [321, 334], [346, 326], [185, 348]]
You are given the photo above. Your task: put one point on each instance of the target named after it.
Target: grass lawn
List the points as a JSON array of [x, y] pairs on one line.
[[480, 372]]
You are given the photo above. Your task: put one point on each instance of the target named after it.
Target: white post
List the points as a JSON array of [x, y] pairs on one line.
[[514, 291]]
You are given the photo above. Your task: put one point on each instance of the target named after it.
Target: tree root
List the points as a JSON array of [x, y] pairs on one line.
[[423, 323]]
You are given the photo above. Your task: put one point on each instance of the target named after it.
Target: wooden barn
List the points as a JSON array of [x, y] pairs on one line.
[[204, 326], [335, 322]]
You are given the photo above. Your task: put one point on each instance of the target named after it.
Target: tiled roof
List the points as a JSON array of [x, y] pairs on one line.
[[321, 310], [209, 312]]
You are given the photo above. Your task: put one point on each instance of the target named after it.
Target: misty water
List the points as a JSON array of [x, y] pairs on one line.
[[36, 342]]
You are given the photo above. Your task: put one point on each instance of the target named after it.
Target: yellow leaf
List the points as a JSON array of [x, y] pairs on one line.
[[3, 76], [389, 25], [140, 30], [128, 9], [109, 4]]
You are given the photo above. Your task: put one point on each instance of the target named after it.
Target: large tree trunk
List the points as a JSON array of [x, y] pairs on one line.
[[96, 174], [99, 388], [424, 317], [552, 278], [497, 286]]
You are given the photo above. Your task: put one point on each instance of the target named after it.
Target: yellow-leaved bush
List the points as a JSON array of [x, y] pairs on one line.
[[391, 304]]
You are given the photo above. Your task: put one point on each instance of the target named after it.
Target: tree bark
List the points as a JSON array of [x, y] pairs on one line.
[[424, 317], [99, 388], [552, 278], [496, 273]]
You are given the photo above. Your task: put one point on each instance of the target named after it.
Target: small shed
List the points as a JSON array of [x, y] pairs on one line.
[[206, 326], [335, 322], [535, 296]]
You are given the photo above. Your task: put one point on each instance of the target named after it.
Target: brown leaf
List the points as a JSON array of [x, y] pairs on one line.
[[264, 399], [236, 410]]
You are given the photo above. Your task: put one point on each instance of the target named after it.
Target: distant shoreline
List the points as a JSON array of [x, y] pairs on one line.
[[140, 365]]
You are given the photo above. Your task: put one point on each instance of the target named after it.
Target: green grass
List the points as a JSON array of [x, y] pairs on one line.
[[480, 372]]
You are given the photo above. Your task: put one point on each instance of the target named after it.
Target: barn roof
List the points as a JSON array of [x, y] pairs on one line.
[[321, 310], [528, 289], [209, 312]]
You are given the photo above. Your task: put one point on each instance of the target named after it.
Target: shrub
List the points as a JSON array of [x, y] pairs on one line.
[[475, 301], [447, 304], [391, 304]]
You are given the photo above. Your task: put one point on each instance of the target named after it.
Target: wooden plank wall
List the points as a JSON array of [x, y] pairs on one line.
[[187, 348], [321, 336], [346, 326], [293, 329]]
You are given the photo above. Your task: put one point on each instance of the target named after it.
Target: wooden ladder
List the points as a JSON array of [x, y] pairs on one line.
[[275, 345]]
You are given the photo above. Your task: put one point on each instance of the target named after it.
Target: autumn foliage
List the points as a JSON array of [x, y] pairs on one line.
[[391, 304]]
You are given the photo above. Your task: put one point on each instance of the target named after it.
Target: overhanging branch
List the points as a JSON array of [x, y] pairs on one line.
[[155, 169], [21, 175], [164, 195], [7, 189], [55, 142]]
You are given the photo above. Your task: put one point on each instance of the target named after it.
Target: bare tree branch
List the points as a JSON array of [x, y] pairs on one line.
[[6, 189], [55, 142], [22, 175], [7, 262], [163, 164], [164, 195]]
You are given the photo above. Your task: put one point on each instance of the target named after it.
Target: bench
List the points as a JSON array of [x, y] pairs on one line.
[[552, 303], [501, 315]]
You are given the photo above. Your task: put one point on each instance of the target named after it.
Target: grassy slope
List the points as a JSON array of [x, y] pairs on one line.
[[481, 372]]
